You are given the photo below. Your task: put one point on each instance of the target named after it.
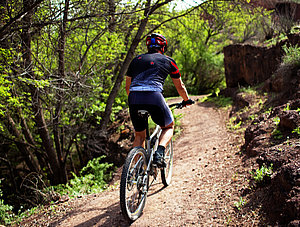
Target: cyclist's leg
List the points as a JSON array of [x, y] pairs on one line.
[[139, 124], [166, 134], [164, 139], [139, 139]]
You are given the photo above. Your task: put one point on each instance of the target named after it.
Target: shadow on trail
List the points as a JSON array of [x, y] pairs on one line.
[[108, 216]]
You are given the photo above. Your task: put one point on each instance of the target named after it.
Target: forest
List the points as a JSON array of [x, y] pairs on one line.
[[62, 70]]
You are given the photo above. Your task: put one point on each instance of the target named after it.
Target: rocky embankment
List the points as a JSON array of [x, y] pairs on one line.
[[272, 140]]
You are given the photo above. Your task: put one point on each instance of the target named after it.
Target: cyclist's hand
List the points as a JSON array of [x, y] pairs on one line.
[[187, 102]]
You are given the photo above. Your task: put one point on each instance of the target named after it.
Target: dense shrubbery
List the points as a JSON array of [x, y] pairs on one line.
[[292, 55], [6, 215], [92, 178]]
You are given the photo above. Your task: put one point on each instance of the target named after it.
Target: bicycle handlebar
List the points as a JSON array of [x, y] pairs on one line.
[[182, 104]]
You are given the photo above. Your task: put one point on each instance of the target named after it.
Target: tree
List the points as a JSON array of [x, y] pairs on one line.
[[200, 37]]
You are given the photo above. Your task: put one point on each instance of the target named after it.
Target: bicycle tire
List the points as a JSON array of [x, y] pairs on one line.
[[134, 179], [166, 172]]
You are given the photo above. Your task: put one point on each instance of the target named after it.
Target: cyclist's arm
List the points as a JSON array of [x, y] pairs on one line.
[[179, 85], [128, 82]]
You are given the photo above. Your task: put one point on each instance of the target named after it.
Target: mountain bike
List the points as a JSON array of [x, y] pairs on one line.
[[138, 169]]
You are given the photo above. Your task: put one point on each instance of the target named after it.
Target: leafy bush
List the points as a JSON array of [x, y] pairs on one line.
[[6, 215], [296, 131], [233, 124], [93, 178], [292, 55], [259, 174]]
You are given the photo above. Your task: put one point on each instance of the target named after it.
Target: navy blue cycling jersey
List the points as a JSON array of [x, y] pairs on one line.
[[149, 71]]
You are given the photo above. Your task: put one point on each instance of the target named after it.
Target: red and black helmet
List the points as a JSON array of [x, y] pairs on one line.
[[156, 40]]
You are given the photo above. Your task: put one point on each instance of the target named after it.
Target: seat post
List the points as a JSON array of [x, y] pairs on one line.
[[145, 115], [147, 128]]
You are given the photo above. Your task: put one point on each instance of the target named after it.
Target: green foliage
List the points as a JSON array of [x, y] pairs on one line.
[[287, 108], [276, 40], [93, 179], [276, 120], [6, 97], [199, 38], [259, 174], [220, 101], [296, 131], [6, 214], [249, 90], [253, 117], [177, 126], [239, 204], [292, 55], [233, 124], [277, 134]]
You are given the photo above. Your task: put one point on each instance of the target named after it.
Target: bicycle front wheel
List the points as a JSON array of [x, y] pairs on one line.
[[166, 172], [134, 184]]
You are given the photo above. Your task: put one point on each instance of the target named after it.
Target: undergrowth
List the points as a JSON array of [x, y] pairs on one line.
[[292, 55], [259, 174], [93, 178], [220, 101]]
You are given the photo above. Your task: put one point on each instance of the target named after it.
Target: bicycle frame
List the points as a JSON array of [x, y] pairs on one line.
[[137, 170], [150, 148]]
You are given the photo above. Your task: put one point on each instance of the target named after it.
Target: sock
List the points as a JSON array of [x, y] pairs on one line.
[[161, 150]]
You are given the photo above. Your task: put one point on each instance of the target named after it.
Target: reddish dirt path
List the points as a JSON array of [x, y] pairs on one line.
[[207, 177]]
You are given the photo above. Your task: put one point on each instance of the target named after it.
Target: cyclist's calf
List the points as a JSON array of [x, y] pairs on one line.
[[139, 139], [166, 134]]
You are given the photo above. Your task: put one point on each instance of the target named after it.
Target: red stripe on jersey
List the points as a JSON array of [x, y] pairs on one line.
[[176, 67]]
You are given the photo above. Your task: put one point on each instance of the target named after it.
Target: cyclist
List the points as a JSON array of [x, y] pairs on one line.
[[144, 85]]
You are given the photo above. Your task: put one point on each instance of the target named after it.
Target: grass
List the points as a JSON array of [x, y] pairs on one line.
[[249, 90], [232, 125], [296, 131], [239, 204], [259, 174], [292, 55], [219, 101], [93, 178]]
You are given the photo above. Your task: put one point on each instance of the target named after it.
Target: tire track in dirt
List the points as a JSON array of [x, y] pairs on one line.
[[203, 186]]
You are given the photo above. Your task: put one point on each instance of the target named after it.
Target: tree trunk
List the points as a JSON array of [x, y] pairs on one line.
[[58, 133], [123, 70], [21, 145], [41, 125]]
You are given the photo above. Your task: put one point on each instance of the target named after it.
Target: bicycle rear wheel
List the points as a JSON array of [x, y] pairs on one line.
[[166, 172], [134, 184]]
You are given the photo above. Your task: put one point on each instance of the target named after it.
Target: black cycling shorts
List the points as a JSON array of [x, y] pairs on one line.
[[154, 103]]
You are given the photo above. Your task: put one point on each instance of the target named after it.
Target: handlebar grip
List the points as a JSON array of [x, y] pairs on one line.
[[188, 102], [182, 104]]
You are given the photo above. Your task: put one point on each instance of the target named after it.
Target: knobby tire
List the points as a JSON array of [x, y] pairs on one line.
[[166, 172], [133, 181]]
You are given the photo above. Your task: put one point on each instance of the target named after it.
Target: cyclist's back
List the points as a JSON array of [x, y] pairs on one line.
[[149, 71]]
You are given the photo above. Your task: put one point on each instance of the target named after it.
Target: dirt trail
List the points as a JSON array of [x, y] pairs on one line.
[[207, 175]]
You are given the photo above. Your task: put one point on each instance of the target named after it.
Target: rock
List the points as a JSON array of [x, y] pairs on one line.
[[289, 119], [250, 65]]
